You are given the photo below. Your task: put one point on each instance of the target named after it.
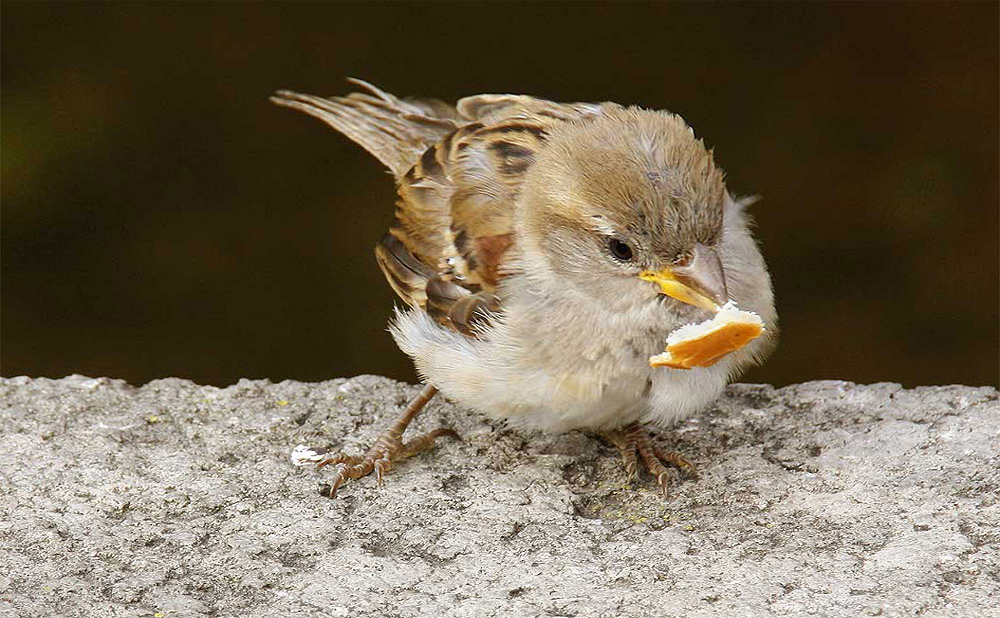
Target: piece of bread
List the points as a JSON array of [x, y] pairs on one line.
[[704, 343]]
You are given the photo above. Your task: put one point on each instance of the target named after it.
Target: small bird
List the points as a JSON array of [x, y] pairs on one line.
[[545, 251]]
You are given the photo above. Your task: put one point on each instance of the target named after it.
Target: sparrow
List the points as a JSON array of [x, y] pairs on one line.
[[544, 252]]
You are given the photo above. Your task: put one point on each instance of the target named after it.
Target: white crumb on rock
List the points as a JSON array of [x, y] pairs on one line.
[[303, 455]]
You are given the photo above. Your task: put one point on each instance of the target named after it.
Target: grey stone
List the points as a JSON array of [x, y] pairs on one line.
[[172, 499]]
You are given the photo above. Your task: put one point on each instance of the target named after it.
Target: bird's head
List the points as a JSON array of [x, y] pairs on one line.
[[627, 207]]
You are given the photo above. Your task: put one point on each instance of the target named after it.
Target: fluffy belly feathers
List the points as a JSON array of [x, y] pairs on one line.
[[497, 379]]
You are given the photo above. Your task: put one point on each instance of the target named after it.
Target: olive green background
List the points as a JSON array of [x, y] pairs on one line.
[[161, 218]]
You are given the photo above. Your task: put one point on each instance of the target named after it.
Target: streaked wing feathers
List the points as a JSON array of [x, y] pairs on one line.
[[393, 130], [459, 171]]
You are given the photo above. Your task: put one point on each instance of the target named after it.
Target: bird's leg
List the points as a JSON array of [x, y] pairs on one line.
[[634, 442], [388, 448]]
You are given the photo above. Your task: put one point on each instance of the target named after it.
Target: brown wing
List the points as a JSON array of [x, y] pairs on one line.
[[396, 132], [459, 170]]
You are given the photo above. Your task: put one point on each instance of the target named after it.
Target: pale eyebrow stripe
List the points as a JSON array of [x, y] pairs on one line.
[[599, 224]]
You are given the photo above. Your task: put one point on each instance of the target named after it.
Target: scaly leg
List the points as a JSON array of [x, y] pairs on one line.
[[635, 439], [388, 448]]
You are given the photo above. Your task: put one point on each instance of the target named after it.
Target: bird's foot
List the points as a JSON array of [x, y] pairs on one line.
[[634, 442], [388, 448]]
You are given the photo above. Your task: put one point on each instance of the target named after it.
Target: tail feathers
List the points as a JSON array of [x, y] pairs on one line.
[[395, 131]]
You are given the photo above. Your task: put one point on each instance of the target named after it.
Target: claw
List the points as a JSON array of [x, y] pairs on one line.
[[339, 479], [664, 481], [381, 467]]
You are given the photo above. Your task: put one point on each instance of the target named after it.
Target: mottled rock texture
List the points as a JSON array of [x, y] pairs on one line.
[[172, 499]]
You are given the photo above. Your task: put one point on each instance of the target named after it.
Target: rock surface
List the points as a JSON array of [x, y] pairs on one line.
[[179, 500]]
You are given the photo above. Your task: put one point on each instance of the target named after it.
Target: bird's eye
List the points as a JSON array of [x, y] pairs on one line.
[[620, 249]]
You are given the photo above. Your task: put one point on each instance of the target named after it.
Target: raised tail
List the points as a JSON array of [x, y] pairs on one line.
[[395, 131]]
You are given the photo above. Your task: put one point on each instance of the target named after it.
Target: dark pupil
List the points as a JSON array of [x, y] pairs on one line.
[[620, 250]]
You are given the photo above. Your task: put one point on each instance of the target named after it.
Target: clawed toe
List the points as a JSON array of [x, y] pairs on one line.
[[381, 466], [337, 458], [677, 460]]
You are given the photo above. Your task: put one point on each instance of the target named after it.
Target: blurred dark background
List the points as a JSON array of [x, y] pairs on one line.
[[161, 218]]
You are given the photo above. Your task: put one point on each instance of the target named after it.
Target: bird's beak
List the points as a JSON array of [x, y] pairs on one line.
[[701, 282]]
